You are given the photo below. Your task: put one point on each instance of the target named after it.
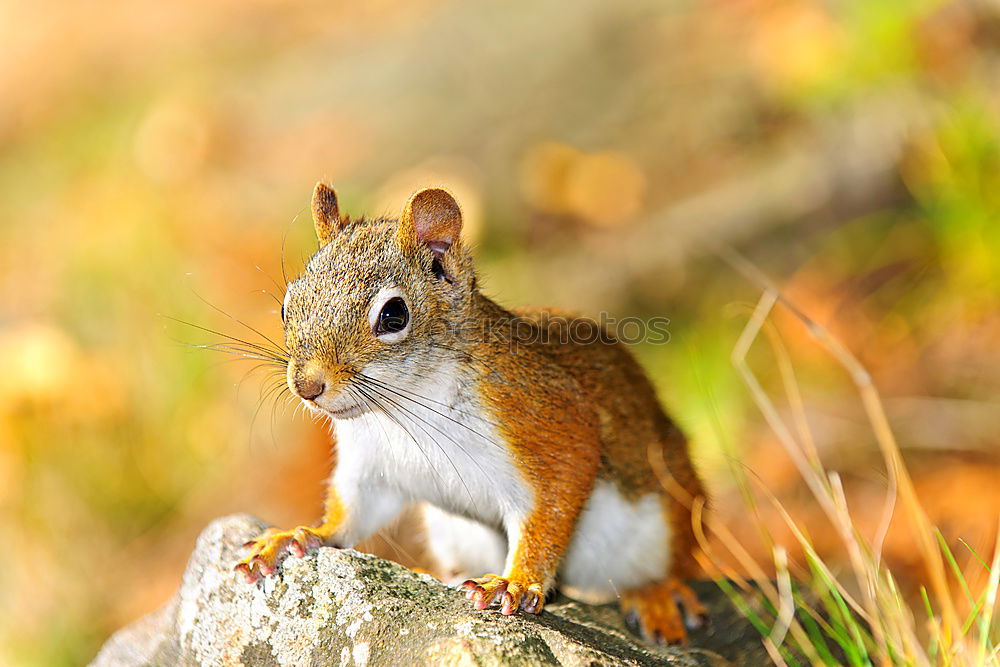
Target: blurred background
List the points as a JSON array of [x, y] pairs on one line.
[[156, 162]]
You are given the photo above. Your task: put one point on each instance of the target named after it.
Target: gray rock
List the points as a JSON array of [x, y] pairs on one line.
[[348, 608]]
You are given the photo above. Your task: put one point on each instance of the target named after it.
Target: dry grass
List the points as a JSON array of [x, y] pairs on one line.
[[859, 615]]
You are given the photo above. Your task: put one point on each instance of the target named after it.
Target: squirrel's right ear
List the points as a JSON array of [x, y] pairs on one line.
[[326, 215], [431, 217]]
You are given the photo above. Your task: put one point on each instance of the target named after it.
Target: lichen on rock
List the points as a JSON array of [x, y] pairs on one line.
[[348, 608]]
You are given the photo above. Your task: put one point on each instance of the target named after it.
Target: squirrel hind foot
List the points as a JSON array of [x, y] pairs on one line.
[[655, 611]]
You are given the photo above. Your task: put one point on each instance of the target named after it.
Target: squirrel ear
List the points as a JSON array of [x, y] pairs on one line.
[[431, 217], [326, 215]]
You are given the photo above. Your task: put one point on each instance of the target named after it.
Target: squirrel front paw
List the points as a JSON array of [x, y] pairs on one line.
[[269, 548], [511, 595]]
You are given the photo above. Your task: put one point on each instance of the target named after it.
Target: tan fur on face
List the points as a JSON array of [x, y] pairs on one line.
[[322, 322]]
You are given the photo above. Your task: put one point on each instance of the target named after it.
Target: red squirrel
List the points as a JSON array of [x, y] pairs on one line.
[[527, 452]]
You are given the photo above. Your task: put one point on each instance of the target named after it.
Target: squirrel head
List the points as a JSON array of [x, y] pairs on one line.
[[382, 302]]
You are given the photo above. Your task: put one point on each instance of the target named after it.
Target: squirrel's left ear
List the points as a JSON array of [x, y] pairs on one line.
[[431, 217], [326, 214]]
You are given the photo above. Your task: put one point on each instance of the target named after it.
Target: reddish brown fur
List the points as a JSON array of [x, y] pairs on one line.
[[597, 418]]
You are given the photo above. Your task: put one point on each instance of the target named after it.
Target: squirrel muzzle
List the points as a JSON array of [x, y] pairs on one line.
[[314, 380]]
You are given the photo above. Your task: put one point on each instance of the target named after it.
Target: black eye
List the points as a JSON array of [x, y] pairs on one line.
[[282, 312], [393, 317]]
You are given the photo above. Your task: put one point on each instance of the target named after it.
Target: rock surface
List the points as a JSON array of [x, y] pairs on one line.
[[348, 608]]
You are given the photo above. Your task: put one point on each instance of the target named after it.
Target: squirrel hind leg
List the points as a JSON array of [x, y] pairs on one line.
[[655, 611], [665, 609]]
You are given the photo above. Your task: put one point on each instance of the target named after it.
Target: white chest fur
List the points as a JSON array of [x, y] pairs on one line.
[[430, 442]]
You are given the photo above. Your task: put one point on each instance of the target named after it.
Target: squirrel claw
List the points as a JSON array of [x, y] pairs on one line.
[[695, 621], [247, 573], [511, 595], [695, 613], [484, 591], [271, 546], [533, 600], [263, 566]]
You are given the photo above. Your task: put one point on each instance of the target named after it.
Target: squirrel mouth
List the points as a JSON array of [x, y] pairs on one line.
[[345, 413]]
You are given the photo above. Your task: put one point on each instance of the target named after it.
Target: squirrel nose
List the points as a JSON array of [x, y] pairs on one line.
[[309, 388]]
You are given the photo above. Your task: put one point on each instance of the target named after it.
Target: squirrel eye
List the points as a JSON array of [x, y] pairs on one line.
[[393, 317]]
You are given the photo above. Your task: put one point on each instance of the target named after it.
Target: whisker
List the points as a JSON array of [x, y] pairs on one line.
[[372, 402], [273, 281], [430, 465], [282, 388], [414, 416], [264, 350], [260, 404], [274, 373], [268, 293], [353, 393], [396, 547], [234, 359], [402, 393], [242, 323], [284, 239], [287, 395], [237, 351]]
